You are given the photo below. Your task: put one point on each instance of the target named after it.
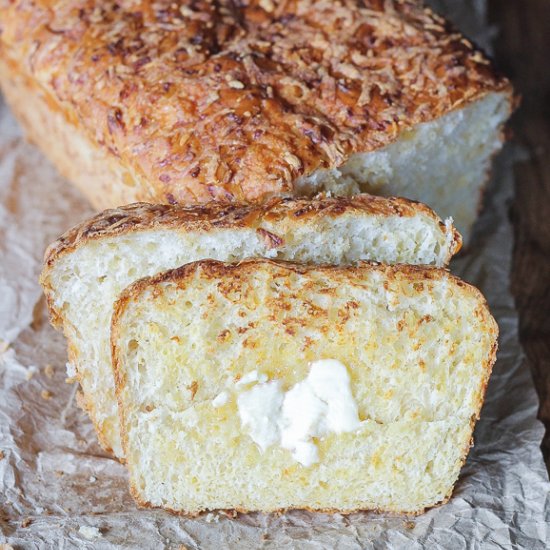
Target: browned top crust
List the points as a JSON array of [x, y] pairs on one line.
[[235, 99], [215, 269], [145, 216]]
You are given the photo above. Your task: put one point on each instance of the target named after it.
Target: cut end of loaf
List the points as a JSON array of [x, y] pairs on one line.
[[444, 163], [190, 345]]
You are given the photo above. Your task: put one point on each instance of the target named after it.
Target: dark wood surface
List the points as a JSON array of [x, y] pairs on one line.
[[523, 53]]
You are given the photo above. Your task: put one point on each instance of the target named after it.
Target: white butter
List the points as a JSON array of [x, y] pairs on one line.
[[71, 370], [220, 400], [259, 409], [320, 404], [90, 533], [252, 376]]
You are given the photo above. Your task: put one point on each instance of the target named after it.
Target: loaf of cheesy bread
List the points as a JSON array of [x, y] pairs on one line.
[[184, 101]]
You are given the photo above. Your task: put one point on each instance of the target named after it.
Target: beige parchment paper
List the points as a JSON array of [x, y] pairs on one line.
[[58, 489]]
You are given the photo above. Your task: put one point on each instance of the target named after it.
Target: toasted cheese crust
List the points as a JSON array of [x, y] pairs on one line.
[[143, 216], [400, 387], [237, 100]]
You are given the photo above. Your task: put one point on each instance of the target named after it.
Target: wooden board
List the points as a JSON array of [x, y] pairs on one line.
[[523, 53]]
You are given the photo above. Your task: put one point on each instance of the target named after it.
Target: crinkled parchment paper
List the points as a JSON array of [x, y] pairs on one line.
[[58, 489]]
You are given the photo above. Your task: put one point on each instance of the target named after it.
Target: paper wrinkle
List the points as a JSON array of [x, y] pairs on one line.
[[50, 451]]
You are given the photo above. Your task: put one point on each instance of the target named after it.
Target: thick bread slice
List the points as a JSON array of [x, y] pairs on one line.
[[90, 265], [242, 101], [268, 385]]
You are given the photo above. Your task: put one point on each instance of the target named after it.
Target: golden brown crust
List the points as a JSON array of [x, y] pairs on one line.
[[215, 269], [234, 101], [146, 216]]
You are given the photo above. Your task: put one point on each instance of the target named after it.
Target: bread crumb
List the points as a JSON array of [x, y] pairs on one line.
[[267, 5], [90, 533], [292, 160], [236, 84], [71, 370], [45, 394], [70, 380], [48, 371], [4, 346], [212, 518], [6, 547], [410, 524], [193, 387], [31, 371], [26, 522], [2, 455]]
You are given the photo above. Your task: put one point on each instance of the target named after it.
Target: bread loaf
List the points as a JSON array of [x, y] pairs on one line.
[[90, 265], [242, 101], [267, 385]]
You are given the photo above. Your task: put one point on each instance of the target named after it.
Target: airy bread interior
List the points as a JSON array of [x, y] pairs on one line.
[[83, 284], [418, 345], [443, 163]]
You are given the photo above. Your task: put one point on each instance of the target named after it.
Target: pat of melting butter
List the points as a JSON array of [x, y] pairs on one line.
[[322, 403], [220, 400], [260, 411]]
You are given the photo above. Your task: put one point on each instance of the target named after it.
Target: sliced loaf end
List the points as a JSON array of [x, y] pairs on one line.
[[267, 386]]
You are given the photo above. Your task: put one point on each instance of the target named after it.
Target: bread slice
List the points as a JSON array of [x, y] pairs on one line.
[[243, 101], [87, 268], [268, 385]]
